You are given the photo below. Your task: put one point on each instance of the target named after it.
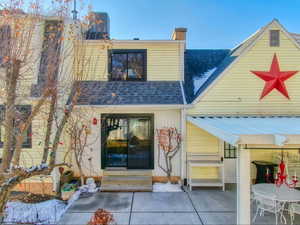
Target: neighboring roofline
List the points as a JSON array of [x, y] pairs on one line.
[[171, 106], [243, 52]]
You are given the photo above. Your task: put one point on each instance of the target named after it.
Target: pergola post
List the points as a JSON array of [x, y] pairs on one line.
[[243, 187]]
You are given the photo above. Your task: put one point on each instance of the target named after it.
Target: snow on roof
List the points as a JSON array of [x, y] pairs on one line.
[[199, 81]]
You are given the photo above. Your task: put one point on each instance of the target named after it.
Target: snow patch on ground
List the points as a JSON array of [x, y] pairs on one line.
[[48, 212], [199, 81], [166, 187]]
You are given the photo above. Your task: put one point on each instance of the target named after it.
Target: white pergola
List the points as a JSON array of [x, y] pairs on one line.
[[241, 131]]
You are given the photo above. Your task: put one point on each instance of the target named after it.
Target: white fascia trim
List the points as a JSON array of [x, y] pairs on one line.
[[182, 92], [287, 33], [135, 41], [138, 106], [228, 137], [148, 41]]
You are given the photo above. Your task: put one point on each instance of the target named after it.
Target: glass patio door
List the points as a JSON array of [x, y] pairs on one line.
[[139, 143], [116, 147], [127, 141]]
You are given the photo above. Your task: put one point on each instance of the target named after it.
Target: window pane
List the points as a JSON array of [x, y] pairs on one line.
[[229, 150], [5, 37], [135, 66], [226, 154], [232, 155], [274, 37], [119, 67], [22, 113]]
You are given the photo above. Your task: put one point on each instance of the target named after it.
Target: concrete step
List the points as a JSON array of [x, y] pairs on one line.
[[114, 172], [126, 183], [127, 188]]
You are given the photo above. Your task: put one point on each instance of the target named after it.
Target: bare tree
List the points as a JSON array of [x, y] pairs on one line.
[[169, 143], [63, 61], [79, 131]]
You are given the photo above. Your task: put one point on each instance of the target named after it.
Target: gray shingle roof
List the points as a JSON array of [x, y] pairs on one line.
[[130, 93], [197, 63]]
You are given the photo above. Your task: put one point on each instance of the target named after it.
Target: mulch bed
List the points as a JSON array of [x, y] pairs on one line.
[[28, 197]]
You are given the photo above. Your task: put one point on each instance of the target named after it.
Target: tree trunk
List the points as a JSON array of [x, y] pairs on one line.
[[12, 74], [170, 169], [49, 128], [167, 167], [4, 194], [61, 127]]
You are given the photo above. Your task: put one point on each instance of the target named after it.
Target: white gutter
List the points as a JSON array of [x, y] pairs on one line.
[[183, 165], [177, 106], [182, 92], [135, 41]]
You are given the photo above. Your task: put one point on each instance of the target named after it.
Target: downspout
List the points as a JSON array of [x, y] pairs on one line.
[[183, 145]]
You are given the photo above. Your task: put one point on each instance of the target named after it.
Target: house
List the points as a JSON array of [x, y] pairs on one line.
[[241, 104], [246, 110]]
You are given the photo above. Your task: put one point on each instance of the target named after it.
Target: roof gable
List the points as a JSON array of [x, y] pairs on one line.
[[238, 52]]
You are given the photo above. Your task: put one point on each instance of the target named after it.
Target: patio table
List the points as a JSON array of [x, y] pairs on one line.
[[282, 193]]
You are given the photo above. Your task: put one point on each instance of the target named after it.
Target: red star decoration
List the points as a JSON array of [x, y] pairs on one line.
[[274, 78]]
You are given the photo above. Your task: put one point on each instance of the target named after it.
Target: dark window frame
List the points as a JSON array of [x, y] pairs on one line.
[[230, 151], [274, 40], [126, 116], [127, 51], [28, 142]]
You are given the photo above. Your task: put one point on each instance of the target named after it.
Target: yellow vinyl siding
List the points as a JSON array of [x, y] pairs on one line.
[[162, 118], [163, 59], [238, 91], [199, 141]]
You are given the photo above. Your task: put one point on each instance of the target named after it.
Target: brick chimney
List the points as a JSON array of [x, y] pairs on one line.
[[179, 34]]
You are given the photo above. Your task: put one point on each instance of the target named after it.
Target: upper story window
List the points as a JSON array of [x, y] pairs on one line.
[[130, 65], [274, 38], [5, 38]]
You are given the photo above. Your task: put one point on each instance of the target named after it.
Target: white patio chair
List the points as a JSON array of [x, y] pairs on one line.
[[294, 208], [268, 203]]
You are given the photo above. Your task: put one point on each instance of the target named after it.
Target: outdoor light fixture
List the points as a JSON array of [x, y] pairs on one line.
[[95, 121]]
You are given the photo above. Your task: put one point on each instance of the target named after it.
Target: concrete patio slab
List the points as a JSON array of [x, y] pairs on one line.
[[165, 219], [113, 202], [83, 218], [213, 207], [212, 200], [218, 218], [162, 202], [75, 218]]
